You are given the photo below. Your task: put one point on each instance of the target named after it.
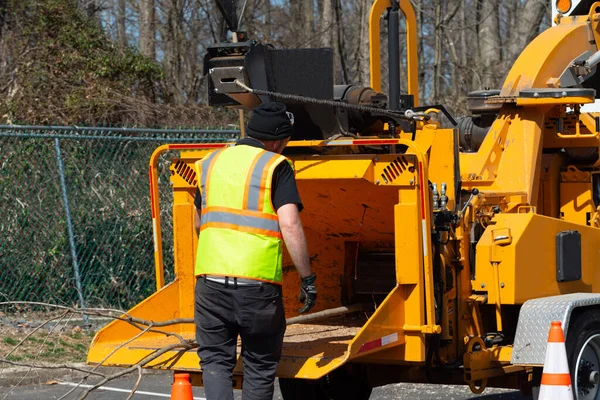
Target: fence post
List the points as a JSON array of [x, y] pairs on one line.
[[63, 187]]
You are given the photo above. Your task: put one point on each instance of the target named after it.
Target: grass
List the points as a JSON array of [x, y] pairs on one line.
[[59, 346], [10, 341]]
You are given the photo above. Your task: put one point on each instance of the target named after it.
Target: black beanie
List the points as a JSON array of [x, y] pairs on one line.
[[270, 121]]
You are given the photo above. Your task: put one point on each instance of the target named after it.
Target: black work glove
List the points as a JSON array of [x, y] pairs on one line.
[[308, 293]]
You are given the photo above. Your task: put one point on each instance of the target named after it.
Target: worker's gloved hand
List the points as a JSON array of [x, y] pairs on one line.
[[308, 293]]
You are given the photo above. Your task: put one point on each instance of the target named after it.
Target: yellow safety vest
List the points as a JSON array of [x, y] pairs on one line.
[[239, 228]]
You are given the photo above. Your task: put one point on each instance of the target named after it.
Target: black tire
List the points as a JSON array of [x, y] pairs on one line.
[[337, 385], [300, 389], [584, 330]]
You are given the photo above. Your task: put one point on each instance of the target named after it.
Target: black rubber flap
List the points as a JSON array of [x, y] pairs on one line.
[[483, 94], [568, 256], [307, 72]]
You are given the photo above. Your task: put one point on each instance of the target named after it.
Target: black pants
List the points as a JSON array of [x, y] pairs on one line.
[[221, 313]]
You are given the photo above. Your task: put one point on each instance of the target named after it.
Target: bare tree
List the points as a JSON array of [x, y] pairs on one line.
[[3, 10], [437, 51], [326, 26], [89, 7], [172, 33], [121, 17], [340, 49], [308, 11], [490, 46], [526, 26], [361, 54], [147, 28]]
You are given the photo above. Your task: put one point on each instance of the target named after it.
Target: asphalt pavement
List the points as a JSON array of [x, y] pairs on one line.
[[157, 385]]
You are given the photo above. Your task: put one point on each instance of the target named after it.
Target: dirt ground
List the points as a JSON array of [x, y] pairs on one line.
[[56, 342]]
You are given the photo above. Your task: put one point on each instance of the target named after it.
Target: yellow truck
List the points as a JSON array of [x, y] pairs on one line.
[[444, 248]]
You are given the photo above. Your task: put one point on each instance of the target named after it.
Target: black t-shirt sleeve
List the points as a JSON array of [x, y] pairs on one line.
[[284, 186], [198, 199]]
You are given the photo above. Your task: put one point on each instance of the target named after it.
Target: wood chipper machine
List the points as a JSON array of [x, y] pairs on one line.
[[444, 248]]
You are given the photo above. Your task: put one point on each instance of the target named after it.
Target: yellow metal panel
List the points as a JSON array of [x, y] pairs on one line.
[[409, 262], [161, 306], [576, 203], [466, 159], [512, 144], [386, 322], [340, 167], [548, 203], [527, 266], [184, 246], [442, 163], [414, 310]]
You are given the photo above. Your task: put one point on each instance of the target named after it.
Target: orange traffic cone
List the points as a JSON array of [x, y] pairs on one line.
[[556, 380], [182, 388]]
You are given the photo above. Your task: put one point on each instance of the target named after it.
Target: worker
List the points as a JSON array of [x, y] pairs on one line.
[[246, 203]]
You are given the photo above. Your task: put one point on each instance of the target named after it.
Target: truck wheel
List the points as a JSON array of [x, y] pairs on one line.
[[337, 385], [583, 353]]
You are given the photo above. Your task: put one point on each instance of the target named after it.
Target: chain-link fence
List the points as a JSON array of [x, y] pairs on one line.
[[75, 226]]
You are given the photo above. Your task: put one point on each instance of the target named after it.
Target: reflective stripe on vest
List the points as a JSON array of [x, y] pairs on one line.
[[239, 229], [257, 176], [207, 163], [234, 219]]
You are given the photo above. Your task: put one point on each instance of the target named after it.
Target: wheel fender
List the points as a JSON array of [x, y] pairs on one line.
[[535, 317]]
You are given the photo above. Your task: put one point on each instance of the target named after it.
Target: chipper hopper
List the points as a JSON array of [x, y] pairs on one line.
[[366, 247]]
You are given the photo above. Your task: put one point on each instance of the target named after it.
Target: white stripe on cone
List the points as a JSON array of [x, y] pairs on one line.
[[556, 359], [555, 393]]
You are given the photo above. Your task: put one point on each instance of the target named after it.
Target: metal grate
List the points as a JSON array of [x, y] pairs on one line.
[[395, 169]]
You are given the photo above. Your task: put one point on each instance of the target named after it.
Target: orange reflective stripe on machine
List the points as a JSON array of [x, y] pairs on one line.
[[239, 220]]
